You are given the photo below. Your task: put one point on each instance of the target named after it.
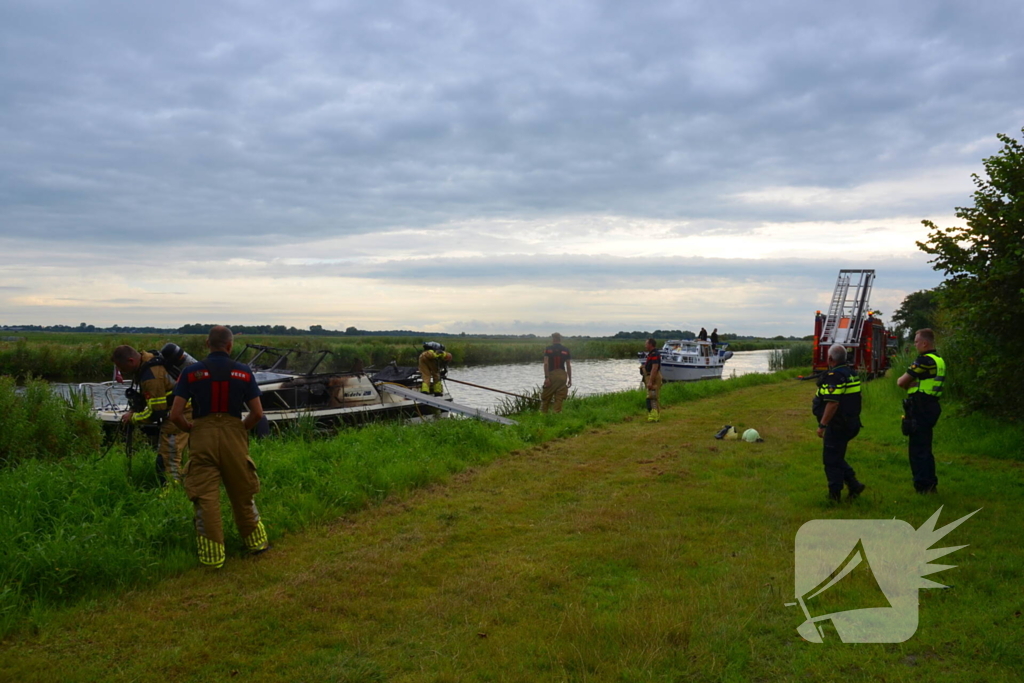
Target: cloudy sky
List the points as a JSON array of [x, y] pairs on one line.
[[490, 167]]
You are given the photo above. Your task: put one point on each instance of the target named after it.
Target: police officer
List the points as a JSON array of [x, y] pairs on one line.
[[557, 375], [923, 381], [220, 388], [157, 388], [433, 365], [651, 370], [837, 406]]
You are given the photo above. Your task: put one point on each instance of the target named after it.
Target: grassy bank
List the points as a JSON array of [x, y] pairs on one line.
[[626, 552], [78, 528]]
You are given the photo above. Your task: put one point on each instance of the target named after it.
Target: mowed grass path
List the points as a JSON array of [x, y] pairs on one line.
[[633, 552]]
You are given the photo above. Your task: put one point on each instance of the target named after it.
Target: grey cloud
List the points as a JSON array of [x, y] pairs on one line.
[[211, 121]]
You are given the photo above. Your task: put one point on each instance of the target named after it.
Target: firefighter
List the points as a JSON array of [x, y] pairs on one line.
[[837, 405], [557, 375], [156, 385], [220, 389], [433, 368], [923, 381], [652, 380]]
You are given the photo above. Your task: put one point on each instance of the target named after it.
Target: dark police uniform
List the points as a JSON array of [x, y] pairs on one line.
[[219, 388], [555, 358], [930, 372], [840, 385]]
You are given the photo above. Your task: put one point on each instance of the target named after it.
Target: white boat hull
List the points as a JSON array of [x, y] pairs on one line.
[[691, 361]]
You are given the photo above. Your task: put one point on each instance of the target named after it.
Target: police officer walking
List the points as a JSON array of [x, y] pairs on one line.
[[923, 381], [220, 388], [837, 406], [557, 375], [156, 385]]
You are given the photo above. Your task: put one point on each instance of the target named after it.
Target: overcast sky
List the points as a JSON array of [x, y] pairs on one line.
[[487, 167]]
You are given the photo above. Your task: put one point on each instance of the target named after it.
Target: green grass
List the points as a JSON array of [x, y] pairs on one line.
[[78, 527], [575, 547], [796, 355]]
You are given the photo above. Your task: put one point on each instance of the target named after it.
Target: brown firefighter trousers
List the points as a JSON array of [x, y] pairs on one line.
[[219, 451]]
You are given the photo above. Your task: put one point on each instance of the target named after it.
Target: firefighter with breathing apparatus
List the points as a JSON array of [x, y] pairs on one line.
[[154, 374], [433, 365]]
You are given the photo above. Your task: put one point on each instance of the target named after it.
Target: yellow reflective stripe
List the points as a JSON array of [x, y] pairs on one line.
[[211, 553], [932, 386], [158, 403], [257, 540], [144, 416]]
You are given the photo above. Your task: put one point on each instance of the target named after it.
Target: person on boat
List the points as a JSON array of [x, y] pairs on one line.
[[923, 381], [837, 405], [702, 335], [433, 364], [652, 380], [220, 389], [557, 375], [714, 338], [156, 386]]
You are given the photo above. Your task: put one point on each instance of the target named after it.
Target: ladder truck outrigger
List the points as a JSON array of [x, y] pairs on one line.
[[851, 323]]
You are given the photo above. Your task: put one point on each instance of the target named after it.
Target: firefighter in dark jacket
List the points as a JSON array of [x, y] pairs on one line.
[[837, 406], [220, 389], [557, 375], [923, 381], [157, 388], [651, 371]]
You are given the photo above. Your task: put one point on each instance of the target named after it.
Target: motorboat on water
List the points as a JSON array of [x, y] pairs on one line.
[[689, 360]]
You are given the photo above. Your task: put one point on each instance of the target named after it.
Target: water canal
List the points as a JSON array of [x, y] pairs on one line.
[[589, 377]]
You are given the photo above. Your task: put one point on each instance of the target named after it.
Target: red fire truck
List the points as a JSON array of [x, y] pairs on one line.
[[851, 323]]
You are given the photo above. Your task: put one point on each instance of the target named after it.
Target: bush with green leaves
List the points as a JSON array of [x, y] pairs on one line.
[[983, 296]]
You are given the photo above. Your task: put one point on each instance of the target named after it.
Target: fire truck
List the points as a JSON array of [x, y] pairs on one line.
[[850, 322]]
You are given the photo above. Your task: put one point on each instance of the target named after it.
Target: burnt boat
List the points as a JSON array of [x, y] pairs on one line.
[[329, 398]]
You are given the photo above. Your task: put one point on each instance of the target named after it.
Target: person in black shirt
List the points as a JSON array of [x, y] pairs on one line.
[[714, 338], [837, 406], [557, 375], [220, 389], [702, 335]]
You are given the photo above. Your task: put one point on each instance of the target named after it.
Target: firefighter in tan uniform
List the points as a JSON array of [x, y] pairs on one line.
[[157, 387], [557, 375], [433, 364], [651, 370], [220, 388]]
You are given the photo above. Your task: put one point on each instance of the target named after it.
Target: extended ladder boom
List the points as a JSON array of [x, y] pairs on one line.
[[848, 309]]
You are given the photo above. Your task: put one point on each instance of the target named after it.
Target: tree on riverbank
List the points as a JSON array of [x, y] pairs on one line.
[[983, 297]]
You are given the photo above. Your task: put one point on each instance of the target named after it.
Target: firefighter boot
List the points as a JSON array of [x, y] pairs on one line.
[[257, 542], [211, 553], [653, 416], [438, 389], [425, 387]]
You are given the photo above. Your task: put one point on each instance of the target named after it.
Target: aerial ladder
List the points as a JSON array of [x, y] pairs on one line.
[[849, 321]]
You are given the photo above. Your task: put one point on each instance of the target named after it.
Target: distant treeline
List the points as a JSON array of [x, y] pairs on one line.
[[319, 331]]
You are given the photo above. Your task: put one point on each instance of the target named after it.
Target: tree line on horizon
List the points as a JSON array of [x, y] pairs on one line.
[[319, 331]]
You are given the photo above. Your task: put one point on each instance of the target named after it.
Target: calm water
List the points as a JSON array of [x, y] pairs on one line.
[[588, 377]]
